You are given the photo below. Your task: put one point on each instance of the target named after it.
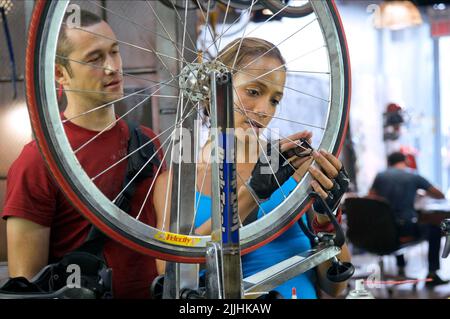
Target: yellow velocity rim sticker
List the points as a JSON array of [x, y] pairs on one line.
[[176, 239]]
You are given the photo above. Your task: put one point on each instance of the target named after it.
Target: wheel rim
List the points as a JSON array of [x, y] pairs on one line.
[[78, 187]]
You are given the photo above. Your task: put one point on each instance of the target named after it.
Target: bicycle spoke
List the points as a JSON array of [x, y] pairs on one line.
[[242, 37], [286, 160], [241, 110], [168, 187], [261, 147], [224, 31], [158, 57], [184, 39], [283, 119], [184, 105], [223, 23], [120, 99], [289, 70], [285, 87], [114, 122], [259, 26], [105, 68], [279, 67], [281, 154], [143, 145], [307, 72], [206, 22], [158, 54], [197, 205], [181, 21], [142, 168], [151, 186], [108, 69], [278, 44], [183, 46], [101, 106], [169, 182], [273, 16], [139, 25], [155, 154], [181, 53], [137, 93], [136, 150], [251, 193], [197, 160], [268, 128]]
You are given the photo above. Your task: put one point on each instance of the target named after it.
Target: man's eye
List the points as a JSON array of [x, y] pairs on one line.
[[275, 102], [95, 59], [115, 52]]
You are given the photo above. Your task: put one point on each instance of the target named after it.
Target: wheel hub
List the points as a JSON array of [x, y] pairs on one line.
[[194, 79]]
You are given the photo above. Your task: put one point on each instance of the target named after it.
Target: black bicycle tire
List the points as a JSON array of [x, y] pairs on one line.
[[243, 4], [288, 12], [195, 5]]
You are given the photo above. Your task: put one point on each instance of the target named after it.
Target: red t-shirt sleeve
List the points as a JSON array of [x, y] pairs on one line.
[[30, 189]]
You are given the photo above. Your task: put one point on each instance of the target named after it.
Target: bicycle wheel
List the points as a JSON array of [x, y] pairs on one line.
[[330, 77], [289, 8]]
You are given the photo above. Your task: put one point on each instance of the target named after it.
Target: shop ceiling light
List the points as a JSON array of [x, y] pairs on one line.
[[6, 5], [396, 15]]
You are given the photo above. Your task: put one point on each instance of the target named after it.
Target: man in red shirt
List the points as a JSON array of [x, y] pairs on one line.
[[42, 225]]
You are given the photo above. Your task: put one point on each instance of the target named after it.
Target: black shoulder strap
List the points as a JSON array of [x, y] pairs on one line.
[[142, 151], [141, 164]]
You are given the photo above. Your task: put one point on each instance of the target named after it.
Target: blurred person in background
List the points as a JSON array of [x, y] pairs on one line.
[[398, 185]]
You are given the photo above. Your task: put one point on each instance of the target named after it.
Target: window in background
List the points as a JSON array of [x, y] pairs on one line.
[[444, 70]]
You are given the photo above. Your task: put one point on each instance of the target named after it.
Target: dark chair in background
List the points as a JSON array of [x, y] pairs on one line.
[[371, 227]]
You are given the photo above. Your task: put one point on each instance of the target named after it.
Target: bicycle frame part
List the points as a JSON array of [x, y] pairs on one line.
[[223, 256], [270, 278], [445, 227]]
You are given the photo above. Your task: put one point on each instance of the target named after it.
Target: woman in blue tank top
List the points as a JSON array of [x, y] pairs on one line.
[[288, 244], [259, 77]]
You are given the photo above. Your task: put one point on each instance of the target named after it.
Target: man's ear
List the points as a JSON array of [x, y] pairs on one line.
[[61, 74]]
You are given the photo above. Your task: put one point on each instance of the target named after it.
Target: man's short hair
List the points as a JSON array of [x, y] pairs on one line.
[[395, 158], [65, 47]]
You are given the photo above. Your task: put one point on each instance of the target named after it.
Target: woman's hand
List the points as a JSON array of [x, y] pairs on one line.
[[330, 181], [277, 164], [292, 143]]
